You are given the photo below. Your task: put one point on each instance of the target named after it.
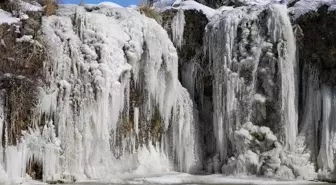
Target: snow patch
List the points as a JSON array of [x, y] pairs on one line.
[[181, 178], [25, 6], [110, 4], [6, 17], [193, 5], [304, 6]]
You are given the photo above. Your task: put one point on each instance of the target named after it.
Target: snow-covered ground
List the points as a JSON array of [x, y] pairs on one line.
[[175, 178]]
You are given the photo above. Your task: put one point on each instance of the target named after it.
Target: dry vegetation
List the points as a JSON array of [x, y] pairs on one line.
[[20, 70], [150, 12], [21, 65], [49, 6]]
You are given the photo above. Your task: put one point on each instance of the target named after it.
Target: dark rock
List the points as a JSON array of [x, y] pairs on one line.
[[191, 53], [318, 44]]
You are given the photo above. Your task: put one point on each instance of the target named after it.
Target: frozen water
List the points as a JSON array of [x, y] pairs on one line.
[[238, 58], [112, 103]]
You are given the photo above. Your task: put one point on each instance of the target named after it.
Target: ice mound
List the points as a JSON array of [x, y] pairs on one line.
[[260, 153]]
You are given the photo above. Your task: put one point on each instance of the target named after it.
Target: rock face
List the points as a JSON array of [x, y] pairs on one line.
[[194, 70], [21, 60]]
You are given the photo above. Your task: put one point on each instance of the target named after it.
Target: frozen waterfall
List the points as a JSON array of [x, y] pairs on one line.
[[112, 102], [252, 54], [110, 106]]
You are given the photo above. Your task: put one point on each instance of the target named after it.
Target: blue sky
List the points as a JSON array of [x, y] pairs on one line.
[[120, 2]]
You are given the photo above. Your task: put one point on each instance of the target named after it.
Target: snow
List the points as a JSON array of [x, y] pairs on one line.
[[193, 5], [110, 4], [262, 2], [29, 38], [25, 6], [181, 178], [305, 6], [6, 17], [25, 38]]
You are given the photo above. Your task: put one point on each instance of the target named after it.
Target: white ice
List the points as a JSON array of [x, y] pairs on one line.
[[92, 57]]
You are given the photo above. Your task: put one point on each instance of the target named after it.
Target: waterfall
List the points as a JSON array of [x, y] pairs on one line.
[[253, 82]]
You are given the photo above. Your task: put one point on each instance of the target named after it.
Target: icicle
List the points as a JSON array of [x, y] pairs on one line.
[[178, 23], [136, 120], [326, 153]]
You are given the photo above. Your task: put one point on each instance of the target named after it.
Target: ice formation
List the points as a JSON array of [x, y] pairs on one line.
[[253, 65], [178, 28], [112, 102]]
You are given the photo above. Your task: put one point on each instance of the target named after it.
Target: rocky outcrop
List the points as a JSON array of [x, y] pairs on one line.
[[21, 59], [317, 43]]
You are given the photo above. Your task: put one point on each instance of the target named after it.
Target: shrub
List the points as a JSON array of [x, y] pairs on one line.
[[150, 12], [20, 69], [50, 7]]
